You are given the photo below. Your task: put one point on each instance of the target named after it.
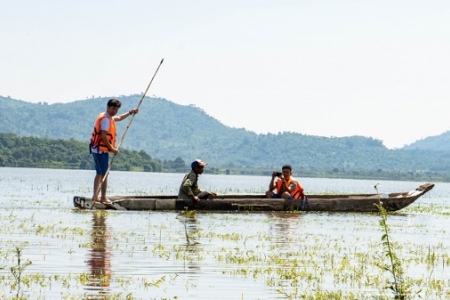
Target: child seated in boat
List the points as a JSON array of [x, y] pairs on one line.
[[286, 186]]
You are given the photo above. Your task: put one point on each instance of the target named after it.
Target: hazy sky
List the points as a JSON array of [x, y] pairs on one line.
[[374, 68]]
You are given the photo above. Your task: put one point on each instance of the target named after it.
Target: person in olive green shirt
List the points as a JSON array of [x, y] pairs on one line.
[[189, 186]]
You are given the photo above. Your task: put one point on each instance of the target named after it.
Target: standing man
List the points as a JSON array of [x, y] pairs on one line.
[[189, 187], [286, 187], [103, 141]]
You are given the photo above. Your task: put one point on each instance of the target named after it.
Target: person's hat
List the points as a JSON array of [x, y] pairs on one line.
[[198, 163]]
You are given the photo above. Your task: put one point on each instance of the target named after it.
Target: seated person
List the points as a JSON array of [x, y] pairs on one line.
[[286, 186], [189, 187]]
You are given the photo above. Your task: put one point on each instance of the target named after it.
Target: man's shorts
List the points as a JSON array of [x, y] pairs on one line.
[[203, 195], [279, 196], [101, 162]]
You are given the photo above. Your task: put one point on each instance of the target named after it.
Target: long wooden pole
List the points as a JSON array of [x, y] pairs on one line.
[[123, 137]]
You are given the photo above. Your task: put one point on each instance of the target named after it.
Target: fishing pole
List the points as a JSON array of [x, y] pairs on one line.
[[123, 136]]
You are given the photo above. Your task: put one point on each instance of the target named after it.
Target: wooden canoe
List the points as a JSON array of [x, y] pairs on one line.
[[342, 203]]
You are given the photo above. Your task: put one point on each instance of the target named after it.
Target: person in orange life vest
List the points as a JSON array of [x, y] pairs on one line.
[[103, 141], [286, 187]]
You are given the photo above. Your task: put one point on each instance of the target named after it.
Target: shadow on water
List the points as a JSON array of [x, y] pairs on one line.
[[99, 263]]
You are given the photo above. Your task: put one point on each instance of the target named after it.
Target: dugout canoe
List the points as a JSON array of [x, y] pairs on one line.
[[321, 202]]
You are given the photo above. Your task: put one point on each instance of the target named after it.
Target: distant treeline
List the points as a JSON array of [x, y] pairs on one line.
[[166, 137], [32, 152]]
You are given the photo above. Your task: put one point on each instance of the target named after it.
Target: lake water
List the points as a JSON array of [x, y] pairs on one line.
[[66, 253]]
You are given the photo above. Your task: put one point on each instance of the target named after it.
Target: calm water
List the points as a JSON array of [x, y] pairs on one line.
[[70, 254]]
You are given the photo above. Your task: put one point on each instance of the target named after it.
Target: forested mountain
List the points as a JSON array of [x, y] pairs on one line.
[[166, 130], [440, 142]]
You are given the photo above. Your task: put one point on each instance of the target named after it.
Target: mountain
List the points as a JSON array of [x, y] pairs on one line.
[[436, 143], [166, 130]]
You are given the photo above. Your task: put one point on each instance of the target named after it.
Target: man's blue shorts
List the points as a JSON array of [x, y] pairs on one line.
[[279, 196], [101, 162]]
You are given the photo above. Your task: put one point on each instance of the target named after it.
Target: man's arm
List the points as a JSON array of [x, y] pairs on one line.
[[107, 143], [126, 115], [288, 188], [272, 182], [292, 187]]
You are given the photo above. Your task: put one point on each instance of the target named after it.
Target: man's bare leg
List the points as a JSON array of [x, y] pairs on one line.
[[103, 190], [97, 181]]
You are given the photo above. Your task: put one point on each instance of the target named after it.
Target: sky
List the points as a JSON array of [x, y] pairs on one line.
[[332, 68]]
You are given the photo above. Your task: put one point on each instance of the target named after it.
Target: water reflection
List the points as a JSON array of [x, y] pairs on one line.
[[286, 228], [191, 251], [99, 261]]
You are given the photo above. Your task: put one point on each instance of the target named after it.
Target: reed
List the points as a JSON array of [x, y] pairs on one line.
[[18, 269], [398, 286]]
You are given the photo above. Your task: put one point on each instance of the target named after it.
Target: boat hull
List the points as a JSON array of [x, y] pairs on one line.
[[336, 203]]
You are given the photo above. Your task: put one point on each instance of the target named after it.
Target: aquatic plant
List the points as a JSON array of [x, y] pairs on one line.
[[294, 255], [18, 269], [399, 285]]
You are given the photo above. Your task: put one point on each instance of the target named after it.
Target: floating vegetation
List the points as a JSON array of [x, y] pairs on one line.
[[294, 256], [50, 251]]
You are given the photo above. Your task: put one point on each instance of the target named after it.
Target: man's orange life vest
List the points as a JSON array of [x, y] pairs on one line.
[[96, 138], [297, 193]]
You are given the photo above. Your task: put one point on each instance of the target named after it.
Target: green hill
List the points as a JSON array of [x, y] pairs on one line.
[[168, 131], [434, 143]]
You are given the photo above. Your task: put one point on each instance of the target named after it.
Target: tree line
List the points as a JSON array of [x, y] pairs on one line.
[[33, 152], [166, 137]]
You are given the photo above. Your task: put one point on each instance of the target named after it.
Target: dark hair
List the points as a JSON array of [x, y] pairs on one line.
[[114, 103], [287, 167]]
